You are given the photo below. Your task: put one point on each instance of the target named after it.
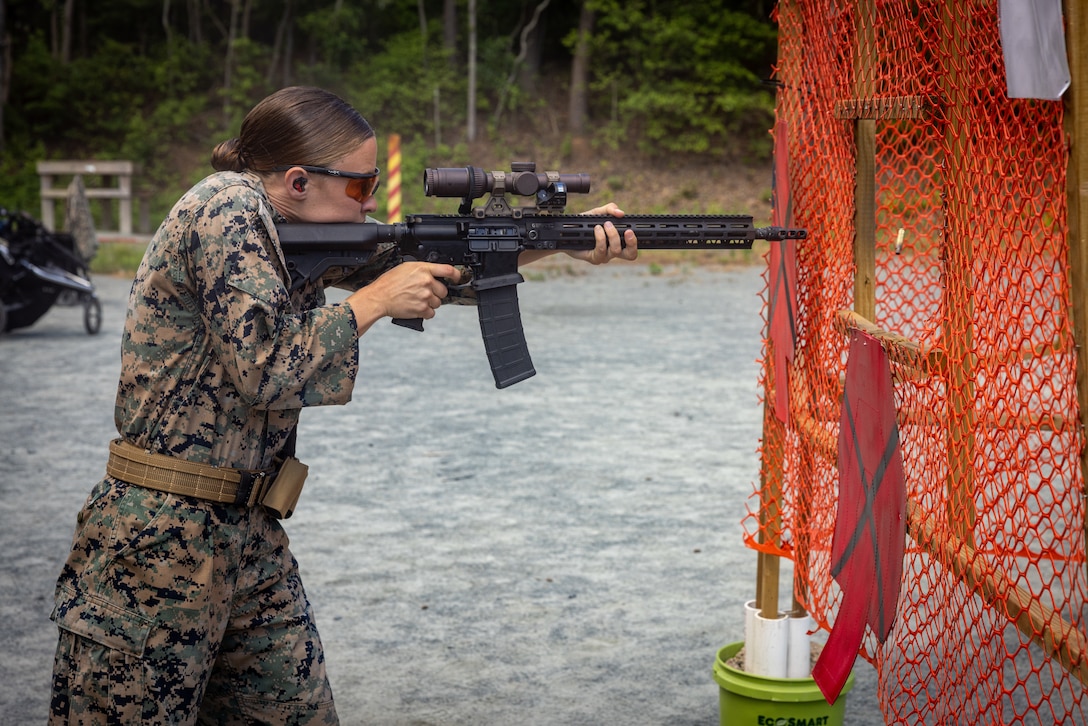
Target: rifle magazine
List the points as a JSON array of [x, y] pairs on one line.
[[504, 337]]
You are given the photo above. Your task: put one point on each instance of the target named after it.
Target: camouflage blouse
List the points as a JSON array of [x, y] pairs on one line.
[[217, 356]]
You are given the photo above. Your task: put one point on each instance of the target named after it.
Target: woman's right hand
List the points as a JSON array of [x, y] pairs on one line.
[[409, 290]]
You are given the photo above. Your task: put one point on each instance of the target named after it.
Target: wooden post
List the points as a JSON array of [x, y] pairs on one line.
[[1076, 182], [865, 189], [770, 493], [106, 209], [957, 328]]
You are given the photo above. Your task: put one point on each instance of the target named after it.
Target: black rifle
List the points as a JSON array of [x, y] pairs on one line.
[[488, 239]]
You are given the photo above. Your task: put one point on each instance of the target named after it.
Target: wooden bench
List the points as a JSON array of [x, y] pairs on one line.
[[108, 171]]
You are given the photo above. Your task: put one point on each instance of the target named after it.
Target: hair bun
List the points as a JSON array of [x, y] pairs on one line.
[[228, 156]]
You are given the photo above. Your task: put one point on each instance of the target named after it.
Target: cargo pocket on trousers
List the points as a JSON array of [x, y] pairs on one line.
[[99, 675], [102, 621]]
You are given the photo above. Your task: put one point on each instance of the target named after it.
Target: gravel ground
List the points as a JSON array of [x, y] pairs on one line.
[[564, 551]]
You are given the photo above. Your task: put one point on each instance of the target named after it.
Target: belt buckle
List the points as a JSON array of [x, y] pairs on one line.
[[249, 481]]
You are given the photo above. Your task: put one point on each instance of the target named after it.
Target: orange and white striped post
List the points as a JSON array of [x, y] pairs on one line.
[[393, 213]]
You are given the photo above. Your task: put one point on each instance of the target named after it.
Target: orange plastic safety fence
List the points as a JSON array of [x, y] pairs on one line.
[[971, 284]]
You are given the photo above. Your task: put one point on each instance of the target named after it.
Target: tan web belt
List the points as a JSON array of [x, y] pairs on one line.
[[166, 474]]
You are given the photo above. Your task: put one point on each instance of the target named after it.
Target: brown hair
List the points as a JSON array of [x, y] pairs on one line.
[[295, 125]]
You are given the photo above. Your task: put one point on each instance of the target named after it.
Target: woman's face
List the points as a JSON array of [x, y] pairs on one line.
[[328, 198]]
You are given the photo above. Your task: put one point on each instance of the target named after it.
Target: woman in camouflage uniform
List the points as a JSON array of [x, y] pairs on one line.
[[188, 607]]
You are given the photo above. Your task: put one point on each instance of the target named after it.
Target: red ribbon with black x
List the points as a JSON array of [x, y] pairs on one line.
[[783, 275], [870, 527]]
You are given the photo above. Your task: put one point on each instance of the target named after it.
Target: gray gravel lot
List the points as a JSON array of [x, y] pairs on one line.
[[564, 551]]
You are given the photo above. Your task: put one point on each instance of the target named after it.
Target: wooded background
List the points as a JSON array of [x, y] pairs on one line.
[[159, 82]]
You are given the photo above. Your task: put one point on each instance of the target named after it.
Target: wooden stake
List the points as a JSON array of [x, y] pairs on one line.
[[865, 191], [1076, 182], [957, 331]]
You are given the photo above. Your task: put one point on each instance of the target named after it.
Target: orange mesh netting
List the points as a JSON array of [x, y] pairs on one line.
[[907, 99]]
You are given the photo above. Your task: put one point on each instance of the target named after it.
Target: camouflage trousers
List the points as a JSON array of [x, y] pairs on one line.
[[178, 611]]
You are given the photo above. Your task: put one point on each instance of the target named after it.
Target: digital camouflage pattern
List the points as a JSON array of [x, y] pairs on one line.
[[172, 607], [165, 602], [216, 358]]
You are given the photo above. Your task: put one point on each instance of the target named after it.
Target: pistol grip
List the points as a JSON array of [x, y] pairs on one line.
[[413, 323]]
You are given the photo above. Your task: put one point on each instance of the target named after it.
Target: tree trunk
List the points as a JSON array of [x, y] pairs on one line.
[[66, 32], [528, 37], [195, 34], [228, 62], [5, 67], [471, 70], [83, 48], [449, 28], [532, 46], [166, 28], [213, 16], [289, 45], [579, 74], [281, 49], [422, 30]]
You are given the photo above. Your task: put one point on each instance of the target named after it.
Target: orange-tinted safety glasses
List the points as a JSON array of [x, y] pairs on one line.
[[360, 186]]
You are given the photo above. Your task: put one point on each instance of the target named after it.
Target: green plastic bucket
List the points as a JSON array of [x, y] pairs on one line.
[[750, 700]]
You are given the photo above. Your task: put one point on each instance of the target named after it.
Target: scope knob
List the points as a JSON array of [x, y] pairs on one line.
[[523, 166]]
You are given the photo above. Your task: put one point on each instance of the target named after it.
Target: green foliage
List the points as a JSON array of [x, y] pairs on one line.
[[115, 103], [150, 142], [335, 33], [85, 103], [395, 89], [685, 76], [174, 118], [247, 85], [117, 257], [184, 68], [681, 76], [18, 174]]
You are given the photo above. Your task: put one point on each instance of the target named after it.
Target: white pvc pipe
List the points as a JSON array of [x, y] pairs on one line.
[[800, 647], [769, 646], [750, 612]]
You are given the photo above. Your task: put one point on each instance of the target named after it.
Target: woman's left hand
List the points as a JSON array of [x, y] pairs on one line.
[[609, 243]]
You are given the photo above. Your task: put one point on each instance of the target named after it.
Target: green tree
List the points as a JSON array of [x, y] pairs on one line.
[[149, 79], [682, 76]]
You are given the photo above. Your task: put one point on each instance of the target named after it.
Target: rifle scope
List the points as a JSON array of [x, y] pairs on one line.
[[472, 182]]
